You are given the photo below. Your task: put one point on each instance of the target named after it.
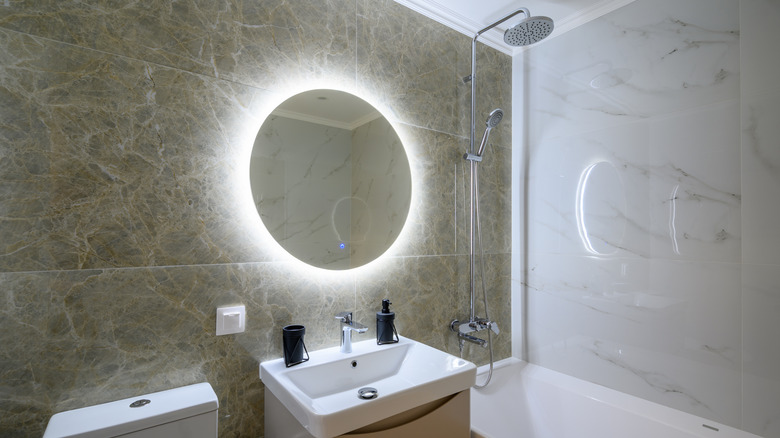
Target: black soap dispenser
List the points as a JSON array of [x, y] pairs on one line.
[[385, 325]]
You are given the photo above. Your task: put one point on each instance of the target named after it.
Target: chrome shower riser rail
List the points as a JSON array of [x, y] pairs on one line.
[[472, 150], [528, 31]]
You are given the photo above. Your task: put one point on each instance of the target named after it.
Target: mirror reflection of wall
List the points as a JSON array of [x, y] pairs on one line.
[[330, 179]]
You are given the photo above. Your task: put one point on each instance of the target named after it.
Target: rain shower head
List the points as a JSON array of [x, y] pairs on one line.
[[528, 31], [493, 120]]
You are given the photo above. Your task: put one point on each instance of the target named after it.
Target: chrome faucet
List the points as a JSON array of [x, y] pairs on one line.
[[347, 327]]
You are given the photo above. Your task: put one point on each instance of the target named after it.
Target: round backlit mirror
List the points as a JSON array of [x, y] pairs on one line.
[[330, 179]]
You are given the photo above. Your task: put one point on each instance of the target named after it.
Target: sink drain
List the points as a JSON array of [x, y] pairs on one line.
[[367, 393]]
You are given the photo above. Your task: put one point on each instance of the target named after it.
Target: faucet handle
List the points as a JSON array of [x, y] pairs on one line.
[[345, 317], [493, 326]]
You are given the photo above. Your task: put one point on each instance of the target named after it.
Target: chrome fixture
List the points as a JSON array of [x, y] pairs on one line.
[[347, 327], [475, 326], [457, 327], [368, 393], [528, 31], [493, 120]]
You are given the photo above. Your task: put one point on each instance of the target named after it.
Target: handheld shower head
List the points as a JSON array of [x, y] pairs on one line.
[[528, 31], [494, 118], [492, 121]]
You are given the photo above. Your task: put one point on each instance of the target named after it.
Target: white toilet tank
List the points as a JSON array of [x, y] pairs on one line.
[[189, 411]]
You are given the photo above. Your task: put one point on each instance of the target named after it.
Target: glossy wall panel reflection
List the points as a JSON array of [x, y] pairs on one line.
[[635, 209]]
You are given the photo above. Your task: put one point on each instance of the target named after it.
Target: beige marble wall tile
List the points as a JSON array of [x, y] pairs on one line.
[[272, 43], [429, 292], [434, 158], [104, 335], [494, 90], [493, 175], [94, 336], [123, 131], [410, 64], [423, 291], [423, 81], [439, 219], [115, 162], [497, 268], [495, 171]]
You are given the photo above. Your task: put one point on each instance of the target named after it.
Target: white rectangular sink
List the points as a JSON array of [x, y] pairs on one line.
[[323, 392]]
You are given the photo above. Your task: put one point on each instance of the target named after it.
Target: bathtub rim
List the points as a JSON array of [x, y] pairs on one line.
[[668, 416]]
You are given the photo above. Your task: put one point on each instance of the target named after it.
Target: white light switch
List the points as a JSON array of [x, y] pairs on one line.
[[231, 320]]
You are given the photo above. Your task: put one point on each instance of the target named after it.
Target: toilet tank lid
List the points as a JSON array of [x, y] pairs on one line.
[[117, 418]]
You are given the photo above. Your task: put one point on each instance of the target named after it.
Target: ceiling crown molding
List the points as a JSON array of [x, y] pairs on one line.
[[495, 37], [454, 20]]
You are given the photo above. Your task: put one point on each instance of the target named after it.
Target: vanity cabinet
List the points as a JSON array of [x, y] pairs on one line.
[[448, 416]]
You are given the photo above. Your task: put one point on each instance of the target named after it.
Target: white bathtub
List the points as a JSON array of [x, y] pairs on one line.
[[527, 401]]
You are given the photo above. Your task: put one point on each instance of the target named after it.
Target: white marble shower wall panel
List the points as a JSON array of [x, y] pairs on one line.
[[760, 99], [664, 330], [650, 58], [653, 179]]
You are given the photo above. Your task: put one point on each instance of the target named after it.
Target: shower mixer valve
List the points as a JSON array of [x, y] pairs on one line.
[[477, 324]]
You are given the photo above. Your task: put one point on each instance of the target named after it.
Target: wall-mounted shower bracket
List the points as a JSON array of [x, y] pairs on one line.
[[472, 157]]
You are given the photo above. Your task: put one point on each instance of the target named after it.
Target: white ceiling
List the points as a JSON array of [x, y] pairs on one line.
[[470, 16], [328, 107]]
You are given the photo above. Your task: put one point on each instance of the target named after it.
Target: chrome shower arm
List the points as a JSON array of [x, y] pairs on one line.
[[473, 76], [523, 10]]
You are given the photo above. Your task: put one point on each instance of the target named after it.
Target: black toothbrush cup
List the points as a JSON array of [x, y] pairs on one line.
[[292, 342]]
